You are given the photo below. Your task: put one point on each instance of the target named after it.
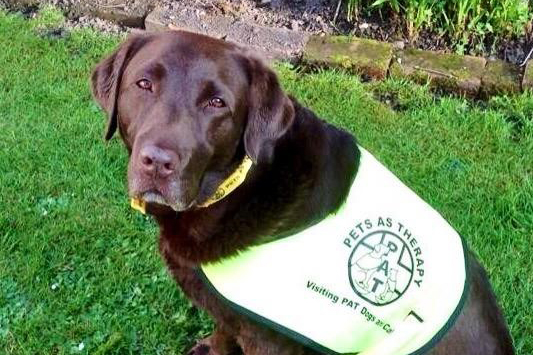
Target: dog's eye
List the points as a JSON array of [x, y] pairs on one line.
[[217, 102], [145, 84]]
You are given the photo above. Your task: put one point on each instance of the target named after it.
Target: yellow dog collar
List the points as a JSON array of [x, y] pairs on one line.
[[231, 183], [138, 204]]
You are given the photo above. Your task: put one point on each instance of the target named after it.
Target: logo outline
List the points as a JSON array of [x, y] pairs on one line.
[[404, 247]]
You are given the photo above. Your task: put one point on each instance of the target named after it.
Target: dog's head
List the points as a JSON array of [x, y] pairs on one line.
[[188, 107]]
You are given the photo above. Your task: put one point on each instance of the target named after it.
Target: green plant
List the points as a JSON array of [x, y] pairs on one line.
[[419, 15], [48, 17], [468, 23], [510, 16], [352, 9]]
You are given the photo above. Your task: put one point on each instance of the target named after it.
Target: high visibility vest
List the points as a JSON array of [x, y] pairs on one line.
[[385, 274]]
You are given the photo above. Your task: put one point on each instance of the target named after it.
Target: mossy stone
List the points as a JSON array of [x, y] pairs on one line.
[[363, 56], [527, 82], [500, 78], [450, 72]]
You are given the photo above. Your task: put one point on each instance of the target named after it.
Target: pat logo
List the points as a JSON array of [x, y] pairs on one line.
[[383, 263]]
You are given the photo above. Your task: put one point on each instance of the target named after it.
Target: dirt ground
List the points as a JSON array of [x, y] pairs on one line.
[[306, 16]]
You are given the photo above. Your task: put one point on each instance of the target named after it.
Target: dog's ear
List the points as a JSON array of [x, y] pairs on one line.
[[106, 78], [270, 111]]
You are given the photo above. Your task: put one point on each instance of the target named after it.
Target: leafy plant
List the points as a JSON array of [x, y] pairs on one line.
[[352, 9], [418, 13], [467, 22]]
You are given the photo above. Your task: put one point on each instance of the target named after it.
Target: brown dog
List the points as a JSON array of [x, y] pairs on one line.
[[189, 108]]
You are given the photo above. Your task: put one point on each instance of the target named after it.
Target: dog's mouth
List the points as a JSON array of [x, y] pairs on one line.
[[155, 197], [154, 202]]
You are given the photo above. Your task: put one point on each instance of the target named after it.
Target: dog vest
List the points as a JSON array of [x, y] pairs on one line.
[[385, 274]]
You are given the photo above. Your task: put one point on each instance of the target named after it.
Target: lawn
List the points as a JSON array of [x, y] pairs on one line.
[[79, 270]]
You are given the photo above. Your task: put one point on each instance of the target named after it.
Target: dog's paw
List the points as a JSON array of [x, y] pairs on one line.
[[204, 349], [200, 349]]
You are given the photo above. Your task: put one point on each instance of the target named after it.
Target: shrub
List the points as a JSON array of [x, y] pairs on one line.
[[465, 22]]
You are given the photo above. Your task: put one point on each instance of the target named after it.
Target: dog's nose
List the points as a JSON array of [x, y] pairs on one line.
[[157, 162]]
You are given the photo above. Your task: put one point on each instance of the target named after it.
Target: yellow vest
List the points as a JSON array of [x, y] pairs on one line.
[[386, 274]]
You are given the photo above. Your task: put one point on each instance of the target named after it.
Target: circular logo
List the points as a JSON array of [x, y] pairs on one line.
[[380, 268]]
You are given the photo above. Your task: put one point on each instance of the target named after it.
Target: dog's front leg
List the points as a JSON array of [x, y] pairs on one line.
[[220, 342], [257, 340]]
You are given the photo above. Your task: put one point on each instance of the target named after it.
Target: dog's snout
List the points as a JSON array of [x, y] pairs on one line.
[[157, 162]]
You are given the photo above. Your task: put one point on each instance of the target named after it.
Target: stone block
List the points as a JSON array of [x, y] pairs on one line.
[[364, 56], [500, 78], [527, 81], [450, 72]]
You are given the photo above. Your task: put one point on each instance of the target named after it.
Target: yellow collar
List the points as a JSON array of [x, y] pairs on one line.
[[231, 183], [225, 188]]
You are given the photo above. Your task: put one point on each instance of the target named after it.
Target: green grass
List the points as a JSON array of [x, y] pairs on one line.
[[78, 266]]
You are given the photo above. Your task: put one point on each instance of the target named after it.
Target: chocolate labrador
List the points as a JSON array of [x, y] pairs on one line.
[[190, 109]]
